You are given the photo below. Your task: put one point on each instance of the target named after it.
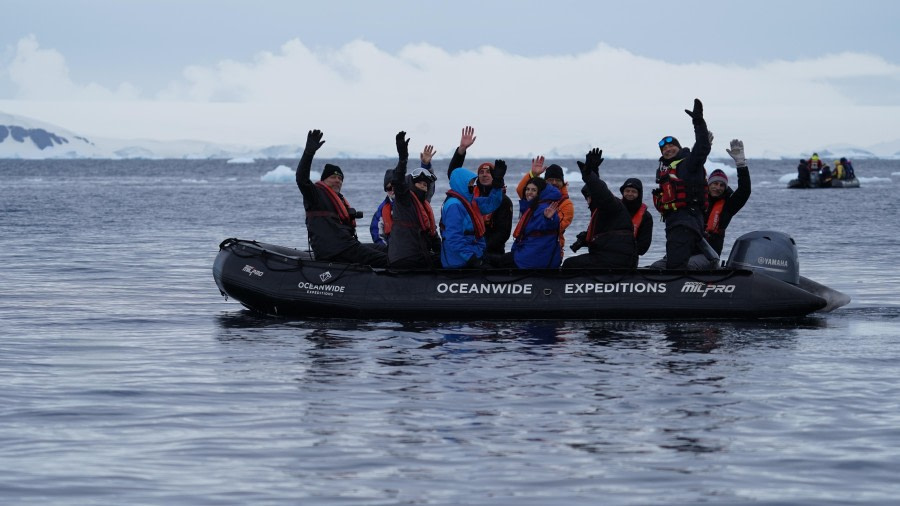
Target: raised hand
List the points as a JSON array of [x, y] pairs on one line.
[[402, 145], [551, 210], [593, 159], [537, 166], [467, 138], [314, 140], [736, 152], [498, 172], [697, 113], [427, 154], [710, 137]]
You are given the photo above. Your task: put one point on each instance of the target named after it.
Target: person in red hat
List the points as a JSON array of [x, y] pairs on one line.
[[724, 202], [497, 224]]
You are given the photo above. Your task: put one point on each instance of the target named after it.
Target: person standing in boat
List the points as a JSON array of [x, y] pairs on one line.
[[681, 197], [462, 222], [632, 191], [610, 235], [380, 227], [414, 240], [497, 224], [724, 202], [848, 169], [536, 244], [330, 221], [803, 179], [554, 177]]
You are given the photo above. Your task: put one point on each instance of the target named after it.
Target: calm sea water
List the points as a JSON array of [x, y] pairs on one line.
[[128, 379]]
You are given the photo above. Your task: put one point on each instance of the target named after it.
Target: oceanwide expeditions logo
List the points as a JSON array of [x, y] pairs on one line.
[[705, 288]]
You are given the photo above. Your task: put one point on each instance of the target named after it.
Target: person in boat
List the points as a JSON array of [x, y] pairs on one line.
[[681, 197], [330, 221], [815, 164], [498, 223], [610, 235], [380, 227], [414, 240], [536, 244], [632, 191], [462, 222], [838, 172], [554, 176], [848, 169], [825, 177], [803, 179], [724, 202]]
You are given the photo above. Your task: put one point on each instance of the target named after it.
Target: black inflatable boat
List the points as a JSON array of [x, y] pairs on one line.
[[760, 280]]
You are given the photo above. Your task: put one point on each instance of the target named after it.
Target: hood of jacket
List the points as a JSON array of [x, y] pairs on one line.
[[459, 182]]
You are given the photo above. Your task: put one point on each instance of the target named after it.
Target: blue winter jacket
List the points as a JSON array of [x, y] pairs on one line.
[[375, 227], [537, 246], [459, 244]]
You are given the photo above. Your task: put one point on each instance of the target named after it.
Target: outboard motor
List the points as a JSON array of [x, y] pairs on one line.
[[769, 252]]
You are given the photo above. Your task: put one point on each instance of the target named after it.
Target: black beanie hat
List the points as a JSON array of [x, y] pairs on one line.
[[554, 172], [635, 183], [388, 177], [329, 170]]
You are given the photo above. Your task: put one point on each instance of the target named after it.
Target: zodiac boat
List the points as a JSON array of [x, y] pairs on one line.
[[760, 280]]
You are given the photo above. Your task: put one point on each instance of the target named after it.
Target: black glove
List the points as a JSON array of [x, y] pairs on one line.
[[580, 241], [593, 159], [498, 172], [697, 113], [314, 140], [583, 168], [402, 146]]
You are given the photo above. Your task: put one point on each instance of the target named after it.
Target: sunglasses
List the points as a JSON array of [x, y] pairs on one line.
[[666, 140], [420, 171]]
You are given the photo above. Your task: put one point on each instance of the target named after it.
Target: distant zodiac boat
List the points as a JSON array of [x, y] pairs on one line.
[[761, 280]]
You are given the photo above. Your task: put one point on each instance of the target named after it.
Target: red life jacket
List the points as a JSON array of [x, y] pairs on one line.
[[715, 215], [523, 222], [474, 213], [338, 202], [489, 216], [425, 215], [674, 192], [638, 218], [386, 218]]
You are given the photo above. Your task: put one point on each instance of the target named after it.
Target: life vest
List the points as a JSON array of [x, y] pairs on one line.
[[715, 217], [815, 163], [638, 218], [425, 215], [839, 171], [488, 218], [523, 222], [386, 219], [675, 193], [338, 202], [474, 213]]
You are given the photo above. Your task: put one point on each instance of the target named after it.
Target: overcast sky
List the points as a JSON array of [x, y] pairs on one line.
[[529, 75]]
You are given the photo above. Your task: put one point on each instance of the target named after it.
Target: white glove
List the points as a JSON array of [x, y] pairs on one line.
[[737, 153]]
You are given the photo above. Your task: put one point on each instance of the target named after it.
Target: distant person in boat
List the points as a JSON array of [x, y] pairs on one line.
[[555, 177], [815, 163], [724, 202], [681, 197], [462, 223], [330, 221], [825, 177], [632, 191], [838, 171], [380, 227], [414, 240], [610, 235], [536, 244], [803, 179], [848, 169], [497, 224]]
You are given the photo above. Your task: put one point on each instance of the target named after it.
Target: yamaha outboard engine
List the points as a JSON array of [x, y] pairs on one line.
[[769, 252]]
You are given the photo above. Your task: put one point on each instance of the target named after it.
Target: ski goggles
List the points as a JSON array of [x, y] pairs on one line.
[[666, 140], [420, 171]]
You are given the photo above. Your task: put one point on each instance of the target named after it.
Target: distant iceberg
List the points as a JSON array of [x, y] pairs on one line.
[[284, 174], [241, 159]]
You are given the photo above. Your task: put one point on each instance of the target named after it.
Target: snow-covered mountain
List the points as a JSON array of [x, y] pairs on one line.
[[27, 138]]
